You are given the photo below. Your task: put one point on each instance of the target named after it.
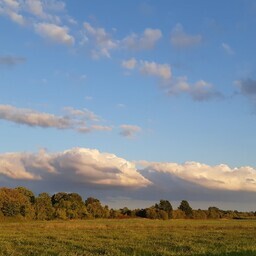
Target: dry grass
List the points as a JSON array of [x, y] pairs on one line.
[[128, 237]]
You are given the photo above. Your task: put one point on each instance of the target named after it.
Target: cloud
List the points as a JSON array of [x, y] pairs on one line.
[[54, 33], [162, 71], [199, 91], [146, 41], [129, 64], [219, 177], [12, 167], [36, 8], [227, 48], [129, 130], [80, 166], [16, 17], [81, 120], [33, 118], [83, 113], [149, 68], [180, 39], [43, 15], [102, 41], [9, 61]]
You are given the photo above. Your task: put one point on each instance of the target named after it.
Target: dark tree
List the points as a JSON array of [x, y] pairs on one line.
[[185, 207], [166, 206]]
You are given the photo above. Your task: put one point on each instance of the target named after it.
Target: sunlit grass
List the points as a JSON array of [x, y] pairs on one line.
[[128, 237]]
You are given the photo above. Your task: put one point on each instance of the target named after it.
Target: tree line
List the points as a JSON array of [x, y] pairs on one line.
[[21, 203]]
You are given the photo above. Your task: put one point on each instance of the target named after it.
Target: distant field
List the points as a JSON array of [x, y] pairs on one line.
[[129, 237]]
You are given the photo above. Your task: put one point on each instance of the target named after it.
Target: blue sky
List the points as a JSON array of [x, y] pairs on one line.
[[160, 86]]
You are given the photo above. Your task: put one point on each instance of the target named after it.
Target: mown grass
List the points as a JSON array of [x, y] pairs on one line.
[[129, 237]]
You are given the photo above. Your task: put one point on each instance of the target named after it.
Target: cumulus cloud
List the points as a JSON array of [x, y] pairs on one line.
[[12, 167], [81, 120], [79, 166], [227, 48], [102, 41], [219, 177], [129, 130], [9, 60], [180, 39], [145, 41], [55, 33]]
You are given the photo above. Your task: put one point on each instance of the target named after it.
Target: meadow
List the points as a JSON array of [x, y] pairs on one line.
[[128, 237]]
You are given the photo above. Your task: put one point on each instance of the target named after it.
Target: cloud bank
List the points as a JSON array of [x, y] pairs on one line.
[[104, 175], [76, 166], [219, 177]]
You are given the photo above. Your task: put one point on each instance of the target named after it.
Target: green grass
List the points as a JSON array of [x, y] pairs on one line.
[[129, 237]]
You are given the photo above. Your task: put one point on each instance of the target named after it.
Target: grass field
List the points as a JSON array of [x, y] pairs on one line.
[[129, 237]]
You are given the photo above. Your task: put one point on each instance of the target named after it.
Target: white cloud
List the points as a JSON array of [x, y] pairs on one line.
[[162, 71], [145, 41], [102, 40], [12, 167], [181, 39], [129, 130], [54, 33], [79, 120], [227, 48], [129, 64], [219, 177], [76, 166], [33, 118]]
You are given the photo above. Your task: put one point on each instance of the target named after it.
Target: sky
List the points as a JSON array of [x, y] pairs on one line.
[[130, 101]]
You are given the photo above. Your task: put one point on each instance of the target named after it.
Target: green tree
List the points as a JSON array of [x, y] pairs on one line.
[[185, 207], [43, 207], [95, 209], [69, 206]]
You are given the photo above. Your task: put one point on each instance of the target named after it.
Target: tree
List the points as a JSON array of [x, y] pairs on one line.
[[69, 206], [28, 193], [185, 207], [95, 209], [166, 206], [43, 207], [13, 203]]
